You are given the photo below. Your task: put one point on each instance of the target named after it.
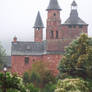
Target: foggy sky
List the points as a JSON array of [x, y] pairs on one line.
[[17, 17]]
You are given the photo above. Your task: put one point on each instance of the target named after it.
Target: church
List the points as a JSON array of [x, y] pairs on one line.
[[58, 36]]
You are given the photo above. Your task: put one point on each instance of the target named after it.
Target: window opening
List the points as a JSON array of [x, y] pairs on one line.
[[56, 34], [26, 60]]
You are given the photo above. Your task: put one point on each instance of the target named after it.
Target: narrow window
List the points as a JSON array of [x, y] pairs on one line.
[[51, 34], [56, 34], [26, 60], [54, 14]]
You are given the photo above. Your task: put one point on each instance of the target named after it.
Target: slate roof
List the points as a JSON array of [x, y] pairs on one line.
[[38, 48], [53, 5], [28, 48], [74, 3], [38, 22], [74, 19]]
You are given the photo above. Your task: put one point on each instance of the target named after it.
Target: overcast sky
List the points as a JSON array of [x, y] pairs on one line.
[[17, 17]]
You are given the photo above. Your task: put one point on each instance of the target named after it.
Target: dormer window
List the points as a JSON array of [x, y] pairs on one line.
[[28, 47], [26, 60]]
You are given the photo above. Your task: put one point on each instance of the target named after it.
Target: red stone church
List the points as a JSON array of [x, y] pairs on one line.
[[58, 36]]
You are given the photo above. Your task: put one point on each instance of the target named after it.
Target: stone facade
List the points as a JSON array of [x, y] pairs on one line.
[[51, 50]]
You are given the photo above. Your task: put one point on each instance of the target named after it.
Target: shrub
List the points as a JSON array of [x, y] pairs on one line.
[[72, 85]]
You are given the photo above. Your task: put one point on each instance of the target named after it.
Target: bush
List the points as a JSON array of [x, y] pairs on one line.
[[72, 85], [49, 87], [32, 88], [26, 78], [39, 75], [11, 82], [35, 78]]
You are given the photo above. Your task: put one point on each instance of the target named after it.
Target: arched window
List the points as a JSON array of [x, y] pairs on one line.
[[51, 34], [56, 34]]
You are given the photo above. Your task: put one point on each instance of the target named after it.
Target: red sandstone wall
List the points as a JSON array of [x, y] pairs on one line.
[[53, 23], [53, 61], [38, 35], [19, 66], [72, 33]]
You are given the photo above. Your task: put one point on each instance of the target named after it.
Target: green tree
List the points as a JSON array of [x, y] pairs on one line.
[[11, 82], [40, 74], [35, 78], [26, 78], [77, 60], [49, 87], [2, 54], [32, 88], [72, 85]]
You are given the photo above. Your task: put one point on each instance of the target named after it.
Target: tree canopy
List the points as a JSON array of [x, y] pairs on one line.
[[39, 74], [11, 82], [2, 54], [77, 60], [72, 85]]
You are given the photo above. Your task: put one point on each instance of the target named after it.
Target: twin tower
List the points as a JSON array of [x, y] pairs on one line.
[[72, 27]]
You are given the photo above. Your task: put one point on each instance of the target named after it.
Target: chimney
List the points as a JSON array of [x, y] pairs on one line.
[[15, 39]]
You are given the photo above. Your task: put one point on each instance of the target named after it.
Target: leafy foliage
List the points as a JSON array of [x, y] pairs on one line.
[[49, 87], [26, 78], [10, 82], [39, 74], [35, 78], [32, 88], [77, 60], [72, 85], [2, 54]]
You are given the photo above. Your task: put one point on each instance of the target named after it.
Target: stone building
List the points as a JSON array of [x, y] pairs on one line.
[[58, 36]]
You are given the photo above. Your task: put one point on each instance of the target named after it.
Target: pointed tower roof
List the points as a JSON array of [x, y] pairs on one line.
[[38, 22], [53, 5], [74, 3], [74, 19]]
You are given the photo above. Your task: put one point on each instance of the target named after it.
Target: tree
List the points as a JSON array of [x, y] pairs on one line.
[[32, 88], [35, 78], [2, 54], [49, 87], [77, 60], [11, 82], [26, 78], [72, 85], [40, 74]]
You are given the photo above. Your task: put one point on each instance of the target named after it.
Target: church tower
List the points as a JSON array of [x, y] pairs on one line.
[[38, 28], [53, 20], [74, 23]]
